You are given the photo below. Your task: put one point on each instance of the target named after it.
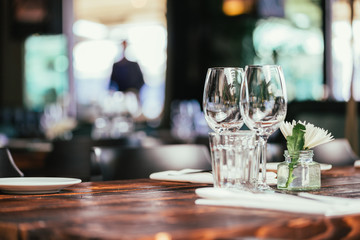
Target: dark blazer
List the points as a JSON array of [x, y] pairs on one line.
[[126, 75]]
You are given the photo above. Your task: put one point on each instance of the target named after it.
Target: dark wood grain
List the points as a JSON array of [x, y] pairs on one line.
[[150, 209]]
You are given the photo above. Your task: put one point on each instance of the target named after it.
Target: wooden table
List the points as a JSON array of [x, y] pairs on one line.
[[150, 209]]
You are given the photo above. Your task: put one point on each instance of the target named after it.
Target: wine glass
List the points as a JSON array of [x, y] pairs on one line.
[[263, 106], [222, 97]]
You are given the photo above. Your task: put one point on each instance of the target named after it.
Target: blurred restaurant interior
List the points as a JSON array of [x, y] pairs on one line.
[[57, 57]]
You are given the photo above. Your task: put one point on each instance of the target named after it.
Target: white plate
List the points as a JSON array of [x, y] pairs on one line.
[[273, 166], [35, 185]]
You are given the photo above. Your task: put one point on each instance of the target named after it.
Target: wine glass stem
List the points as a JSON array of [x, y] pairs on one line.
[[262, 152]]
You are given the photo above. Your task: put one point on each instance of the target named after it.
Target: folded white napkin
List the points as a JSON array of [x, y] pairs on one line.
[[304, 203], [198, 176], [357, 164], [185, 175]]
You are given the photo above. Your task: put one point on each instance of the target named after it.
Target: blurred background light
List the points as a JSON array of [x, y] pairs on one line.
[[89, 29], [237, 7], [94, 55]]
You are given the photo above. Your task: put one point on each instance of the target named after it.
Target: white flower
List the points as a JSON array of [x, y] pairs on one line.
[[287, 127], [314, 136]]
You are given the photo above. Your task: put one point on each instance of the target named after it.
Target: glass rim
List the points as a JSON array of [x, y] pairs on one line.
[[261, 66], [217, 68], [308, 151], [238, 133]]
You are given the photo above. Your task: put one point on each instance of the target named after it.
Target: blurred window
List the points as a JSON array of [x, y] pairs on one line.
[[99, 28], [93, 60], [289, 33], [345, 50], [46, 70]]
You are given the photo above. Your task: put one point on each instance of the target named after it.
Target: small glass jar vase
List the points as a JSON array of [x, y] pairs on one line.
[[299, 172]]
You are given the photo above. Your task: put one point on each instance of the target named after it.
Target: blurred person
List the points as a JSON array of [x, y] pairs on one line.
[[126, 75]]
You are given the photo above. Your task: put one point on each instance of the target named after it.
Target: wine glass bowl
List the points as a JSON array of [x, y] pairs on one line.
[[222, 97]]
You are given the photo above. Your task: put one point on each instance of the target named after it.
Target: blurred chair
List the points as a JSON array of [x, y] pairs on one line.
[[275, 152], [69, 158], [72, 158], [131, 163], [8, 167], [337, 152]]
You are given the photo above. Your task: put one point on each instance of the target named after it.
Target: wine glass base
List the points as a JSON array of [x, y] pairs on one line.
[[263, 187]]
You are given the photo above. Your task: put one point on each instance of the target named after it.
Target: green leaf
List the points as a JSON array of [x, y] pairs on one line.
[[291, 176], [296, 141]]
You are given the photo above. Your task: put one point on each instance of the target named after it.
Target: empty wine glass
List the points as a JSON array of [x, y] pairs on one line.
[[263, 106], [221, 98]]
